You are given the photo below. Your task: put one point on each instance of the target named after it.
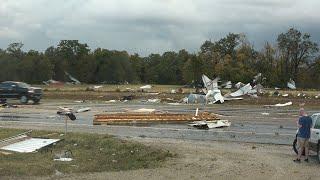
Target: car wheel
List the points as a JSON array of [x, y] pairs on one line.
[[36, 101], [24, 99]]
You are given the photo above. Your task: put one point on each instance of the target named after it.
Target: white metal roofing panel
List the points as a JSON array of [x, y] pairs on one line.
[[29, 145]]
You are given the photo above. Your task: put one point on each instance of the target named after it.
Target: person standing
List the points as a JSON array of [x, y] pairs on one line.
[[304, 124]]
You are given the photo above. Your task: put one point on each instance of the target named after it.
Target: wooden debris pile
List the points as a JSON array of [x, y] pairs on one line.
[[147, 118]]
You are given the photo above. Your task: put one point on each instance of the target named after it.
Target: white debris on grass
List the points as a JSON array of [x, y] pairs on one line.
[[63, 159], [29, 145], [265, 114], [285, 95], [146, 87]]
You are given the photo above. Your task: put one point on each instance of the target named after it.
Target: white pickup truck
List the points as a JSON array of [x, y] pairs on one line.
[[314, 142]]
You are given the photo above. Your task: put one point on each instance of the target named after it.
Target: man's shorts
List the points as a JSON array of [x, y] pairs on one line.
[[303, 142]]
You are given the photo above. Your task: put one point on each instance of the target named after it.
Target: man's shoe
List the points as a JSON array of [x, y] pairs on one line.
[[297, 160], [306, 160]]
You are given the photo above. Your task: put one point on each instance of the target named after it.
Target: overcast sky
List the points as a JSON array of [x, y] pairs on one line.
[[151, 26]]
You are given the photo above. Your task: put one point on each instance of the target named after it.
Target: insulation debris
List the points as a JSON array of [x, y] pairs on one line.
[[145, 118], [210, 124]]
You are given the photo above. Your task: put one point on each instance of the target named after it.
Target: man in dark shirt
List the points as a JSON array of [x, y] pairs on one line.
[[304, 124]]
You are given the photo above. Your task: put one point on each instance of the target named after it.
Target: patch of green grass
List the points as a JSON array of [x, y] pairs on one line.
[[91, 153]]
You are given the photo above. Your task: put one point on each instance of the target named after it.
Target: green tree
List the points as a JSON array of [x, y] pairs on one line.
[[296, 49]]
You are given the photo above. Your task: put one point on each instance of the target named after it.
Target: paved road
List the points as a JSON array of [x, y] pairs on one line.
[[249, 123]]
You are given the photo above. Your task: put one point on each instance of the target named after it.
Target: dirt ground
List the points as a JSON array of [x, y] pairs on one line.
[[216, 160]]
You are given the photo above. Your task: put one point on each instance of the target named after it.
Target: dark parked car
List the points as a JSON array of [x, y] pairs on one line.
[[19, 90]]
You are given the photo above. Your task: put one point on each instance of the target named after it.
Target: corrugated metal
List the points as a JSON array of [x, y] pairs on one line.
[[29, 145]]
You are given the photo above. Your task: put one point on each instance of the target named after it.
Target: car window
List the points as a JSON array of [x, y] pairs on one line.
[[317, 122], [24, 85], [6, 84]]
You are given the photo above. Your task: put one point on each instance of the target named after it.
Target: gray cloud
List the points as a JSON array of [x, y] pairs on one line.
[[147, 26]]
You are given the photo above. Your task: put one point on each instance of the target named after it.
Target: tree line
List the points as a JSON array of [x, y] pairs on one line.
[[294, 56]]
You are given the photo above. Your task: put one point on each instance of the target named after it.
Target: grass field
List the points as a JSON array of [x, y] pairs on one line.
[[91, 153]]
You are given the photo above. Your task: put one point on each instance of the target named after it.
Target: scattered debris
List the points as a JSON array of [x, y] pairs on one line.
[[127, 98], [285, 95], [214, 96], [238, 85], [111, 101], [227, 85], [129, 90], [242, 91], [153, 93], [210, 124], [65, 156], [210, 84], [142, 110], [291, 84], [83, 110], [280, 105], [175, 104], [74, 80], [143, 118], [97, 87], [173, 91], [265, 114], [29, 145], [6, 105], [196, 98], [146, 87], [80, 101], [153, 100], [53, 82]]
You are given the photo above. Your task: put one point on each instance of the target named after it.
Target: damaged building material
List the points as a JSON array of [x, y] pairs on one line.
[[210, 84], [15, 138], [280, 104], [227, 85], [29, 145], [196, 98], [291, 84], [146, 118], [146, 87], [210, 124], [242, 91], [74, 80]]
